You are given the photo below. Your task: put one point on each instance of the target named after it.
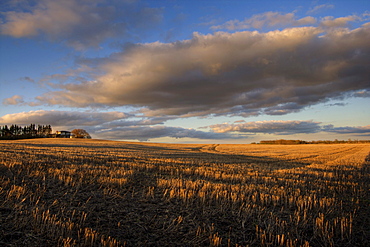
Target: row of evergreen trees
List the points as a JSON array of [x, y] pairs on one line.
[[29, 131]]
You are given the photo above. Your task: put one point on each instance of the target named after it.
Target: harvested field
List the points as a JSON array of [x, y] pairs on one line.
[[69, 192]]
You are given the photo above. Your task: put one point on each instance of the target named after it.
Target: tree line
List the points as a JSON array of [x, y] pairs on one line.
[[29, 131], [296, 142]]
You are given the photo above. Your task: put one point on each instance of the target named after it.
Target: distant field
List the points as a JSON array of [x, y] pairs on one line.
[[69, 192]]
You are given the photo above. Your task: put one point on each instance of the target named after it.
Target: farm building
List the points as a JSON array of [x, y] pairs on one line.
[[63, 134]]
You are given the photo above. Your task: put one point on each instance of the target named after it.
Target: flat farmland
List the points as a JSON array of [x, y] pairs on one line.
[[69, 192]]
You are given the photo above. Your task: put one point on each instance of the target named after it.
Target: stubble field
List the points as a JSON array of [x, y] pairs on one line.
[[68, 192]]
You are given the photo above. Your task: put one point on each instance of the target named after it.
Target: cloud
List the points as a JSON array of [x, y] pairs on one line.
[[61, 118], [28, 79], [318, 8], [362, 93], [283, 109], [14, 100], [79, 23], [110, 125], [146, 133], [121, 126], [350, 130], [331, 22], [269, 127], [337, 104], [267, 19], [133, 120], [242, 73], [289, 127]]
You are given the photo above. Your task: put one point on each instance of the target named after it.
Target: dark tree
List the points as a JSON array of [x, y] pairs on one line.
[[80, 133], [30, 131]]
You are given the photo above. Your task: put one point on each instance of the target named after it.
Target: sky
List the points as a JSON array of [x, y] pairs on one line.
[[182, 71]]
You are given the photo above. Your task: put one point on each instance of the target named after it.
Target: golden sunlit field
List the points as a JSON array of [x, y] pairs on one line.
[[69, 192]]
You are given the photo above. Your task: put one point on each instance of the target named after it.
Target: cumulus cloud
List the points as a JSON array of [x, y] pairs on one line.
[[267, 19], [14, 100], [61, 118], [145, 133], [79, 23], [242, 73], [270, 127]]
